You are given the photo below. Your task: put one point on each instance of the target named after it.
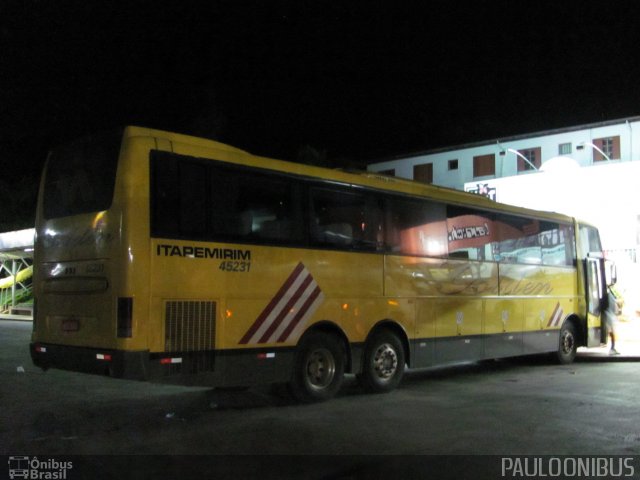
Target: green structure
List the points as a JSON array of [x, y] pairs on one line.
[[16, 270]]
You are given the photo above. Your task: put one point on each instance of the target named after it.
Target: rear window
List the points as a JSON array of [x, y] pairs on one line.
[[80, 177]]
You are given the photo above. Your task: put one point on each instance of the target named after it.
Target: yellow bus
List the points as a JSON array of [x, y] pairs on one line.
[[165, 257]]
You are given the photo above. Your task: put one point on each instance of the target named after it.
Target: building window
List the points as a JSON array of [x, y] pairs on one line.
[[423, 173], [534, 157], [610, 146], [607, 146], [564, 149], [484, 165], [391, 172], [453, 164]]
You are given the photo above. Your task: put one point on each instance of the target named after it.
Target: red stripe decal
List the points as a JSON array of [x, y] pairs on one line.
[[303, 310], [285, 311], [274, 301], [553, 321]]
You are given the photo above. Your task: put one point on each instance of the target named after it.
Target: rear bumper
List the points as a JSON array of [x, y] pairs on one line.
[[213, 368], [115, 363]]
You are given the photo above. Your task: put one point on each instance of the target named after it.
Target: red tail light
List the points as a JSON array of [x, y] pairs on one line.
[[125, 317]]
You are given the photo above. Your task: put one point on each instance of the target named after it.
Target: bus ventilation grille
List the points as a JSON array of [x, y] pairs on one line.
[[190, 326]]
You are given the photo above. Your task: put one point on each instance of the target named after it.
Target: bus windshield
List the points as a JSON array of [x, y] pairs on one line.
[[80, 177]]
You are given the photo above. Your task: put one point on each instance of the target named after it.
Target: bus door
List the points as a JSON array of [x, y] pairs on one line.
[[596, 292]]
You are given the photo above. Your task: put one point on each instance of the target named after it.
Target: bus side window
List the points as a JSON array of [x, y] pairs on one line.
[[344, 220], [556, 244], [589, 240], [374, 226], [253, 207], [471, 233], [519, 241], [535, 242], [269, 199], [416, 227], [193, 199], [227, 217], [164, 195]]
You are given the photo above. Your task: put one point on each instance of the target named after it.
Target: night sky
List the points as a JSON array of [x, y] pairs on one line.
[[359, 81]]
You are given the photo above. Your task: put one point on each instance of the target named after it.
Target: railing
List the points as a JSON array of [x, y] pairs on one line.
[[15, 283], [623, 255], [23, 298]]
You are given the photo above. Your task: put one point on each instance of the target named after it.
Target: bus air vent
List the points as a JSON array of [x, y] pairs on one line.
[[189, 326]]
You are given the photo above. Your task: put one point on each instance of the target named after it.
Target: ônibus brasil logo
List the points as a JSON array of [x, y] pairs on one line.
[[33, 468]]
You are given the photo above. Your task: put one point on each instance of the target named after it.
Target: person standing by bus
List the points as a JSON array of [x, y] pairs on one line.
[[614, 308]]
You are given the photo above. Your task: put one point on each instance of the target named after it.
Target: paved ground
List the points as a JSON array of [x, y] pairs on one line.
[[505, 408]]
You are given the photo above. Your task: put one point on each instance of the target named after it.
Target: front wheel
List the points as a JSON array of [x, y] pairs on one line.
[[383, 363], [318, 371], [568, 344]]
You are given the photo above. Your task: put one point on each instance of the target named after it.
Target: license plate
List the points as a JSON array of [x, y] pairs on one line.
[[71, 325]]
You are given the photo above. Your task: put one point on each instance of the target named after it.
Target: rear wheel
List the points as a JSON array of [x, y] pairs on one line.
[[384, 361], [318, 370], [568, 344]]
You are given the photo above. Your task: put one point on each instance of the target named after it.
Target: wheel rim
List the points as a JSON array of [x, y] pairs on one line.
[[568, 342], [385, 361], [320, 369]]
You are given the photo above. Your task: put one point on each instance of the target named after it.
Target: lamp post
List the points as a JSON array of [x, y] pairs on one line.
[[595, 147], [518, 154]]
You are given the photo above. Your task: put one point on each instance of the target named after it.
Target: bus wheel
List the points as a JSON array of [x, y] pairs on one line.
[[568, 344], [318, 370], [383, 363]]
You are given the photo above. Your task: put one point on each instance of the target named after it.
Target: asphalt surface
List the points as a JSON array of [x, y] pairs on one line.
[[501, 408]]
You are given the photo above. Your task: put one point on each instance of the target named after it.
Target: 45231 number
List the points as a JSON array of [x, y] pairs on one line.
[[235, 266]]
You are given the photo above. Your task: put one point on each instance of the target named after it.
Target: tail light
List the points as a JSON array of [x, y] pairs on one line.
[[125, 317]]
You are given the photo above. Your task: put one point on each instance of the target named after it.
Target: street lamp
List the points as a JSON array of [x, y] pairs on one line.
[[518, 154], [596, 148], [503, 151]]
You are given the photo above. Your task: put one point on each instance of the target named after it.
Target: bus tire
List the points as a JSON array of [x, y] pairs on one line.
[[318, 370], [384, 362], [567, 344]]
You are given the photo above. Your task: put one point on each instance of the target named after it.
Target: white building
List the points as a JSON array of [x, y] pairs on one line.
[[588, 145], [589, 171]]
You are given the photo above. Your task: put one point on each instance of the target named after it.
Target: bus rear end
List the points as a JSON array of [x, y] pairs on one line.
[[81, 317]]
